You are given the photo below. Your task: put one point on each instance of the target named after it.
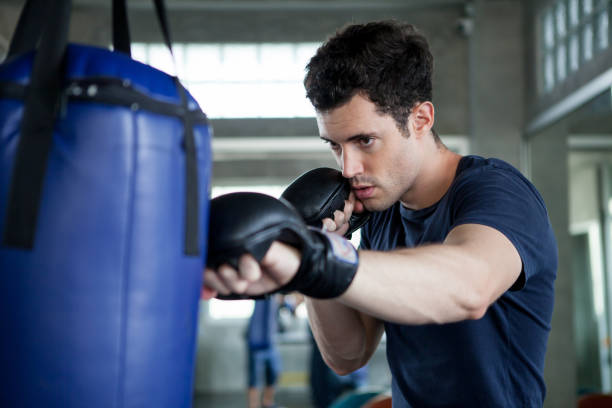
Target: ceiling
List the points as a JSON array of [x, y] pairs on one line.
[[240, 5]]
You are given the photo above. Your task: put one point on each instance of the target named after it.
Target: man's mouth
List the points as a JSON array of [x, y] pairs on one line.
[[363, 192]]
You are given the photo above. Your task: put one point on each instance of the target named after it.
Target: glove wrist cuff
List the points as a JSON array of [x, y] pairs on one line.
[[327, 268]]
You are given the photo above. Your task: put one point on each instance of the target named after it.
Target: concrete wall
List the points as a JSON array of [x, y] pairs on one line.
[[497, 80]]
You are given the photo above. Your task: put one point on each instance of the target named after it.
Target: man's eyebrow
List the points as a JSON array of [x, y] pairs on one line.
[[350, 139]]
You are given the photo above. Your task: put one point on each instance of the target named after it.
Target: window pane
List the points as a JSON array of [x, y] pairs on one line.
[[303, 53], [561, 62], [574, 55], [587, 7], [549, 36], [159, 56], [573, 13], [560, 15], [238, 61], [602, 31], [278, 63], [587, 42], [139, 52], [203, 62], [549, 72]]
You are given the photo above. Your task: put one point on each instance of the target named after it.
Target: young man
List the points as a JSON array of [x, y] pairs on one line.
[[458, 260]]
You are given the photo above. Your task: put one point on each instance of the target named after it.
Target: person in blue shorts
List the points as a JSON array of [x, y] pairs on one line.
[[458, 260], [264, 363]]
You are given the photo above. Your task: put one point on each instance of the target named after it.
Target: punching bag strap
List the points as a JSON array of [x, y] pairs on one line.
[[121, 29], [191, 220], [121, 42], [162, 17], [40, 109], [30, 23], [192, 204]]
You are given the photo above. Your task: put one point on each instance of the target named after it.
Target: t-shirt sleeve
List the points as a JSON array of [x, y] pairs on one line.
[[502, 199]]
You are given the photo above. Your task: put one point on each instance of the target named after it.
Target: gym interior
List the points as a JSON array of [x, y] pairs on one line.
[[529, 82]]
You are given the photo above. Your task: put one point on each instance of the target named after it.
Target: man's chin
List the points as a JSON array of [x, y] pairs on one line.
[[373, 205], [368, 205]]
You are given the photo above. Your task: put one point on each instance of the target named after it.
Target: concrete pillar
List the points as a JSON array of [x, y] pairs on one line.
[[549, 173], [497, 79]]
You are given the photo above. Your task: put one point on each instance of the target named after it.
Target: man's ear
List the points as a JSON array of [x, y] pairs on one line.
[[423, 118]]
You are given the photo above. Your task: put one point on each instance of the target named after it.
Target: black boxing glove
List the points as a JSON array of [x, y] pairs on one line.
[[328, 266], [317, 193], [250, 222]]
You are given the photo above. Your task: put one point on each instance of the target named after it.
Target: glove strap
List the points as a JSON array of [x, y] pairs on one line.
[[329, 264]]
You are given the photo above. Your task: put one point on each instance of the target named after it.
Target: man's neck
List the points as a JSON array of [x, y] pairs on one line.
[[434, 179]]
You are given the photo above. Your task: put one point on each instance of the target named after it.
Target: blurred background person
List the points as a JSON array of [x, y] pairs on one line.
[[264, 362]]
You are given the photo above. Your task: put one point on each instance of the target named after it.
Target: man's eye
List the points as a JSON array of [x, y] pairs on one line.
[[366, 141]]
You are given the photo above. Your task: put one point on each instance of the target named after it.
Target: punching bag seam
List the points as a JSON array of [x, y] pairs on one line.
[[127, 254]]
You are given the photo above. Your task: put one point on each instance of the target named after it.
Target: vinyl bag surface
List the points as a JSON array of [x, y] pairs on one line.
[[103, 212]]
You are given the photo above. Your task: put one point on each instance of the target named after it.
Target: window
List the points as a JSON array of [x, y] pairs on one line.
[[572, 33], [238, 80]]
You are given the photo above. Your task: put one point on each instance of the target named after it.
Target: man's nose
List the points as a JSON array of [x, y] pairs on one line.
[[351, 164]]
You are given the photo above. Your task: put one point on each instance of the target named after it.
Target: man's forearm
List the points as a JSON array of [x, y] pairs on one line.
[[345, 338], [438, 283]]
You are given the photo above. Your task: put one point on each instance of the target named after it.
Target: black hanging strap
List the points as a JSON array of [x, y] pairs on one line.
[[121, 30], [29, 27], [40, 110], [192, 219], [160, 9]]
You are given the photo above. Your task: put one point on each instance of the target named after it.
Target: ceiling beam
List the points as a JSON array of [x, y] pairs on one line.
[[259, 5]]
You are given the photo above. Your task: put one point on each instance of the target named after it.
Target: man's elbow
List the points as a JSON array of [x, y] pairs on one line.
[[342, 365], [476, 304], [477, 312], [478, 294], [346, 367]]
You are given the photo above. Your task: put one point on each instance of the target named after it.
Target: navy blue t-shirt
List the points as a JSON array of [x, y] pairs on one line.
[[498, 360]]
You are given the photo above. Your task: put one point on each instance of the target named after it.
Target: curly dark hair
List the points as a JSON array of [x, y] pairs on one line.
[[388, 61]]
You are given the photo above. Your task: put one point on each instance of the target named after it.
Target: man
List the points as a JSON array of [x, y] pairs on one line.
[[458, 261]]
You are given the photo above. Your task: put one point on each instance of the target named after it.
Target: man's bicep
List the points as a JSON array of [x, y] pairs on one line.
[[502, 264]]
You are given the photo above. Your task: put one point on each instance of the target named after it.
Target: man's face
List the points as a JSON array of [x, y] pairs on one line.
[[379, 160]]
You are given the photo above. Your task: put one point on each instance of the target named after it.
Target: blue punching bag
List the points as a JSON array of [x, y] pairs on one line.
[[104, 185]]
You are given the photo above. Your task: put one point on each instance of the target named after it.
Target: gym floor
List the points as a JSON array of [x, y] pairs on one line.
[[286, 398]]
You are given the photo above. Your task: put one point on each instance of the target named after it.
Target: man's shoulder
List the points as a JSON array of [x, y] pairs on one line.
[[471, 164], [476, 170]]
